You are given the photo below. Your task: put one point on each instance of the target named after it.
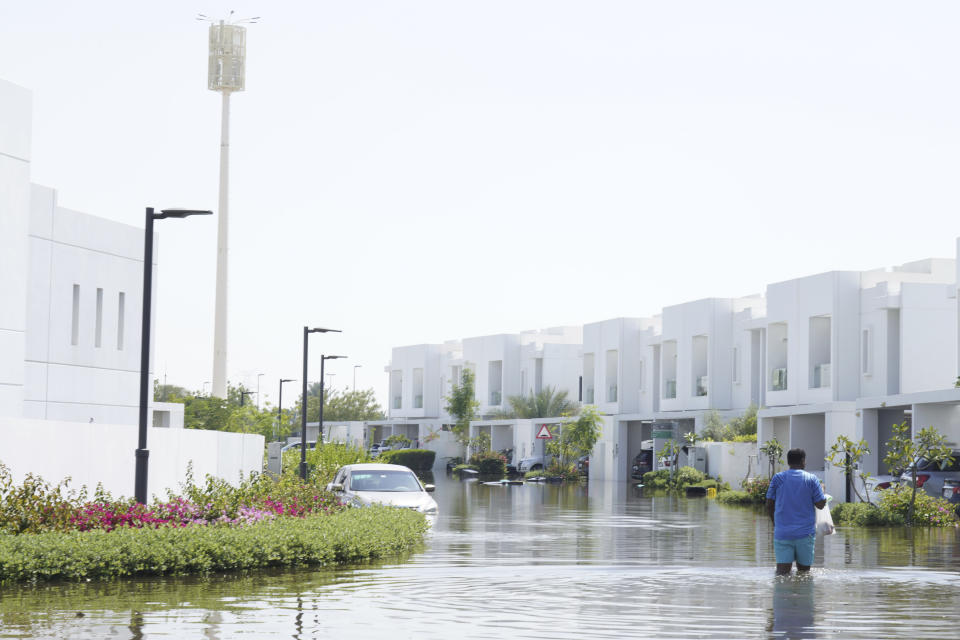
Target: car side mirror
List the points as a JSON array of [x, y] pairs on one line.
[[428, 488], [336, 488]]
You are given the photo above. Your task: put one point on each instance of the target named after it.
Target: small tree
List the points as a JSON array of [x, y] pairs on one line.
[[773, 449], [463, 405], [480, 443], [692, 438], [847, 455], [399, 441], [906, 452], [577, 437], [671, 452]]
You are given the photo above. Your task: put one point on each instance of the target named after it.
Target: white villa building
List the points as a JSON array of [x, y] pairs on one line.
[[841, 352], [70, 328]]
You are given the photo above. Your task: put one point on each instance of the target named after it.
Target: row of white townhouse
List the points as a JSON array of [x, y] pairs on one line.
[[842, 352]]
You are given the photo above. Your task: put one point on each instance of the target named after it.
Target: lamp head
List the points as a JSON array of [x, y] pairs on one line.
[[181, 213], [332, 357], [322, 330]]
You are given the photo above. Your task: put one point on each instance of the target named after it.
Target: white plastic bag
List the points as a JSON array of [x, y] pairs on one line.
[[825, 520]]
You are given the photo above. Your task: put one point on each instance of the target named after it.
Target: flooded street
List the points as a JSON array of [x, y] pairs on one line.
[[549, 561]]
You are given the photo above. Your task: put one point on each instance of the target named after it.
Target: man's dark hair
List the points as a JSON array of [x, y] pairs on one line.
[[796, 456]]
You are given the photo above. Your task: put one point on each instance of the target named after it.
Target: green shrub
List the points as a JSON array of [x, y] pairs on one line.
[[687, 476], [757, 488], [536, 473], [746, 437], [558, 470], [460, 467], [416, 459], [490, 463], [657, 479], [861, 514], [928, 510], [349, 536], [735, 497]]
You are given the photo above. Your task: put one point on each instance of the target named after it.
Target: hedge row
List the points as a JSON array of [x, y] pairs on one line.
[[350, 536], [416, 459]]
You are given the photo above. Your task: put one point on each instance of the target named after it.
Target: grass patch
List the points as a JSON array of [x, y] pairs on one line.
[[350, 536]]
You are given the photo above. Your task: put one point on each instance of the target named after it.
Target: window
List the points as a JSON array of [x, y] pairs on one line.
[[418, 388], [612, 365], [120, 312], [98, 325], [588, 378], [75, 321], [396, 389], [866, 353]]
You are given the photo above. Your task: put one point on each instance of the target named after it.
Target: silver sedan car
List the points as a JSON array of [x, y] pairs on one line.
[[388, 484]]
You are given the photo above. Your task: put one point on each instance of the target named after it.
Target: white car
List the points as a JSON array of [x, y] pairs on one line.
[[388, 484]]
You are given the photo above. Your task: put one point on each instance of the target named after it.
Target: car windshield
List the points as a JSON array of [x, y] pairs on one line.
[[387, 480], [926, 465]]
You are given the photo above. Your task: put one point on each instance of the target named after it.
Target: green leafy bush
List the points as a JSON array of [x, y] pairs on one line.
[[349, 536], [735, 497], [757, 488], [928, 510], [687, 476], [461, 467], [416, 459], [861, 514], [490, 463], [657, 479]]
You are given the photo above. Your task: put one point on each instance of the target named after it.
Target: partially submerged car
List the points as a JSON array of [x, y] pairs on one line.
[[392, 485]]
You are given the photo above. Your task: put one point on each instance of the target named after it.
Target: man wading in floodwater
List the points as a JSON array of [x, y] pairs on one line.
[[791, 499]]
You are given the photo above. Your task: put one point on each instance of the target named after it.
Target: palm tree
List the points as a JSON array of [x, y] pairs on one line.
[[548, 403]]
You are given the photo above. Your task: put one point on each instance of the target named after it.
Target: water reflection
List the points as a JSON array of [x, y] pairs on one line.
[[544, 561]]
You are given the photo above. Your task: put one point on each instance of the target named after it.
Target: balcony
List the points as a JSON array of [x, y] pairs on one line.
[[495, 399], [703, 383], [779, 379], [670, 388], [821, 376], [418, 402], [612, 393]]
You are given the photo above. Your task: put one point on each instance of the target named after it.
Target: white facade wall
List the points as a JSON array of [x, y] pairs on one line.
[[103, 453], [479, 353], [82, 358], [403, 369], [928, 325], [15, 117], [622, 337], [834, 295]]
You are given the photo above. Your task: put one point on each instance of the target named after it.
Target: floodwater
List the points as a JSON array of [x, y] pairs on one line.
[[540, 562]]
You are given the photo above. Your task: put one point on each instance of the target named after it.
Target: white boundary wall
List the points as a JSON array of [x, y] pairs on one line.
[[98, 453]]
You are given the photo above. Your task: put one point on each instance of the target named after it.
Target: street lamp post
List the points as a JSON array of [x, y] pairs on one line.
[[142, 453], [323, 359], [259, 375], [303, 406], [280, 405], [355, 367], [244, 394]]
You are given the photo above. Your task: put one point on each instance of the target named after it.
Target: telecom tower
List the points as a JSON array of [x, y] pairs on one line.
[[226, 74]]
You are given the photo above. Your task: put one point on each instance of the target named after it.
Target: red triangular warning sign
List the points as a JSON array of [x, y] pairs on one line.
[[544, 433]]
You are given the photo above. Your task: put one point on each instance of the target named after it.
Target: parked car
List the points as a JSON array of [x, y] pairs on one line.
[[296, 445], [642, 463], [951, 493], [583, 465], [532, 463], [879, 483], [393, 485], [931, 475]]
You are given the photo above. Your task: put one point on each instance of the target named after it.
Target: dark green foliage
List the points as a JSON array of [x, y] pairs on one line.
[[685, 477], [735, 497], [462, 405], [861, 514], [548, 403], [349, 536], [416, 459], [490, 463]]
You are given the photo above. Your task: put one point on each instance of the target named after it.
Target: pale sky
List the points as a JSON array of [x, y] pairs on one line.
[[418, 171]]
